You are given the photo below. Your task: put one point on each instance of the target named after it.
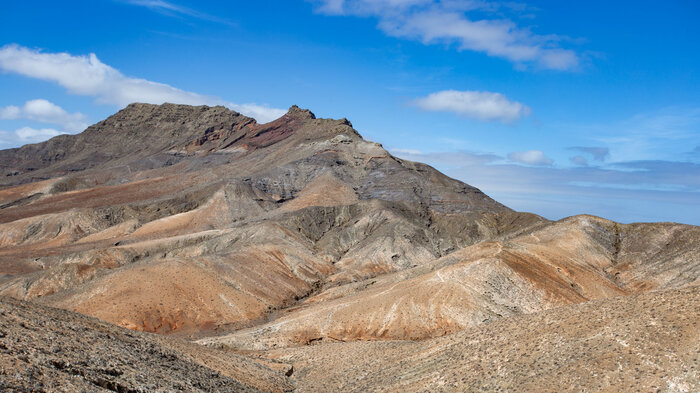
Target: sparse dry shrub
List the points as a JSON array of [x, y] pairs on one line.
[[307, 335]]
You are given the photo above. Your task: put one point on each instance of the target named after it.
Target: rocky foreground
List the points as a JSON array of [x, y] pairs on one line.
[[300, 256], [44, 349], [647, 343]]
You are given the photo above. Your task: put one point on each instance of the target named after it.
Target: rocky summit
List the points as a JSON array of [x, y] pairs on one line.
[[180, 248]]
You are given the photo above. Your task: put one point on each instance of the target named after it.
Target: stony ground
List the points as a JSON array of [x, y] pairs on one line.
[[44, 349], [640, 343]]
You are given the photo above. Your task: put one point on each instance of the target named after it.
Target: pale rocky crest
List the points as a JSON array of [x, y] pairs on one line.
[[282, 239]]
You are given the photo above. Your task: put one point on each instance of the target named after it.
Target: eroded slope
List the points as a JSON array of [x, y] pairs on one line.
[[572, 261], [647, 343], [205, 220]]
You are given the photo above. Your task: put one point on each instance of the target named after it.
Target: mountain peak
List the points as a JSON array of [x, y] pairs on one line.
[[300, 113], [167, 108]]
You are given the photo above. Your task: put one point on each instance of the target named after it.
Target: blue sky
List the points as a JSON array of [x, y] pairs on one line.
[[558, 108]]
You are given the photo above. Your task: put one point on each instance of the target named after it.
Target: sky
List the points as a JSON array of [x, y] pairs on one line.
[[557, 108]]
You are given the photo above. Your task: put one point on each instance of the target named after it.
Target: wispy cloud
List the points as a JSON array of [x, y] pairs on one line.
[[479, 105], [669, 123], [172, 9], [45, 111], [654, 135], [88, 76], [448, 159], [579, 160], [434, 21], [530, 157], [598, 153], [628, 191]]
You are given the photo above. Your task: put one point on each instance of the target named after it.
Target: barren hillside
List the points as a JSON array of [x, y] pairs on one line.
[[646, 343], [313, 259], [206, 219]]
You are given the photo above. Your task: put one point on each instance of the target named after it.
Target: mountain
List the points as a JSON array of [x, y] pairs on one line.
[[297, 239], [203, 219]]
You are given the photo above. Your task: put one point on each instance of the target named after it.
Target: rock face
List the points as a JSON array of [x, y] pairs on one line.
[[282, 240]]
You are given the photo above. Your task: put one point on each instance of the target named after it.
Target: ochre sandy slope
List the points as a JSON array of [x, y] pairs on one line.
[[646, 343], [572, 261]]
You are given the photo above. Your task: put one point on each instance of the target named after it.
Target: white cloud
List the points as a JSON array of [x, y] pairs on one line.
[[530, 157], [407, 152], [88, 76], [261, 113], [45, 112], [10, 112], [433, 21], [480, 105], [31, 135]]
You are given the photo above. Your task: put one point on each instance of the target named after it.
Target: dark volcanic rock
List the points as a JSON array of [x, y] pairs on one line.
[[136, 132]]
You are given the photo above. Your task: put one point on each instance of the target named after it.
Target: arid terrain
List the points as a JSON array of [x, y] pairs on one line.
[[297, 256]]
